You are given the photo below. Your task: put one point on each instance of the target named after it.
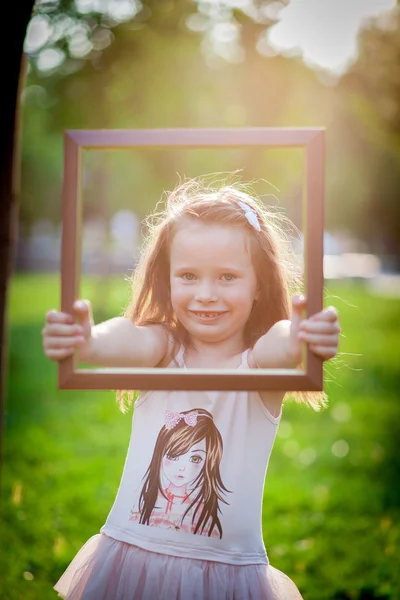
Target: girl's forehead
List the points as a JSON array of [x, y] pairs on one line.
[[201, 241]]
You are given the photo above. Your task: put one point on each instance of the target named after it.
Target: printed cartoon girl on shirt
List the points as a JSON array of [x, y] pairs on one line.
[[183, 487]]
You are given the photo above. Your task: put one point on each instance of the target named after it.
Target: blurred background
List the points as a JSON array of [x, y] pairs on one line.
[[332, 496]]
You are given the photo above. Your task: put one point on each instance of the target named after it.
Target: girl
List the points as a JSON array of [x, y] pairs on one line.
[[212, 289]]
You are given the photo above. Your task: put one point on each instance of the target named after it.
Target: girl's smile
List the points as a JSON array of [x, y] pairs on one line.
[[208, 317]]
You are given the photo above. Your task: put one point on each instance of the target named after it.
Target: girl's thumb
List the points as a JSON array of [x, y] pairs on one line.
[[298, 306], [84, 316]]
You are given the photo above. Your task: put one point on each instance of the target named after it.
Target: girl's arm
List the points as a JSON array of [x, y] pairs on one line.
[[120, 343], [280, 347], [114, 343], [273, 351]]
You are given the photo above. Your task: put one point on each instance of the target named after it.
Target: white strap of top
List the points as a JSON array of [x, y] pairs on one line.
[[179, 358], [245, 362]]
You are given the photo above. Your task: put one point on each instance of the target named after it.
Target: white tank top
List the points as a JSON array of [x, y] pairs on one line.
[[193, 480]]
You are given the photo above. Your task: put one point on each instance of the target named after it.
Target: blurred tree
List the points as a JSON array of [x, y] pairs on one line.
[[64, 34], [202, 64], [143, 77], [372, 93]]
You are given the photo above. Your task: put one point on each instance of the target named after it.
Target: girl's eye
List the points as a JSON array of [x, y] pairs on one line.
[[196, 459], [228, 276], [172, 457], [188, 276]]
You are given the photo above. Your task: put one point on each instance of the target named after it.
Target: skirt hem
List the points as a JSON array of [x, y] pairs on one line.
[[103, 570]]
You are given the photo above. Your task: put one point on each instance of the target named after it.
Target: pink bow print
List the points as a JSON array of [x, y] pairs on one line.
[[172, 418]]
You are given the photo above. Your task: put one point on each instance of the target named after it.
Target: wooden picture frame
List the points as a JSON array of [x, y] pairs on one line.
[[312, 140]]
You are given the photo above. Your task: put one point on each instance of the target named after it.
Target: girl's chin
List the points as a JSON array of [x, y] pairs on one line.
[[206, 330]]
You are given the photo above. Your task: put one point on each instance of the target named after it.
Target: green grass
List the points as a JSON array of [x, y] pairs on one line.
[[332, 496]]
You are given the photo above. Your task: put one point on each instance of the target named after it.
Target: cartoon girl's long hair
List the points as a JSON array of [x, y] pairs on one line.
[[207, 488], [277, 270]]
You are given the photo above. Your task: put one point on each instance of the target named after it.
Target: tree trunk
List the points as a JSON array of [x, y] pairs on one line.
[[17, 16]]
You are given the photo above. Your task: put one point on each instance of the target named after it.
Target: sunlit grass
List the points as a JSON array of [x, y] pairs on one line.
[[332, 496]]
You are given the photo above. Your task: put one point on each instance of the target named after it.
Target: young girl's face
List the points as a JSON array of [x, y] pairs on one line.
[[183, 469], [213, 281]]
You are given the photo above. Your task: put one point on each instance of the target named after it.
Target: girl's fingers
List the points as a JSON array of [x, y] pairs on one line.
[[62, 330], [60, 353], [52, 343], [324, 351], [61, 335], [319, 339], [327, 327], [328, 314], [55, 316]]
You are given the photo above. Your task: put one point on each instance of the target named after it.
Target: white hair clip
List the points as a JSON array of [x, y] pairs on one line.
[[250, 215]]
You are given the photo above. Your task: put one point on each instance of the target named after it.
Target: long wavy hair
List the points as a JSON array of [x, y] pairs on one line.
[[207, 488], [276, 266]]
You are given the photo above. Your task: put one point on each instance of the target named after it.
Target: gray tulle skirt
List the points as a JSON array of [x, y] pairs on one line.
[[107, 569]]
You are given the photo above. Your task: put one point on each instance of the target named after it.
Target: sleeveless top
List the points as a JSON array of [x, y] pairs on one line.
[[193, 480]]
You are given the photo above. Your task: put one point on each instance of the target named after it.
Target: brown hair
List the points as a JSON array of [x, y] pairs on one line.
[[276, 267], [208, 486]]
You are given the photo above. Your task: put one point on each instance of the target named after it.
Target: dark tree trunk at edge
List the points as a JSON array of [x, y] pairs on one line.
[[16, 16]]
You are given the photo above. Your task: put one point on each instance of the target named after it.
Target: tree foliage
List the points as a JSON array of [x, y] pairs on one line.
[[208, 64], [371, 91]]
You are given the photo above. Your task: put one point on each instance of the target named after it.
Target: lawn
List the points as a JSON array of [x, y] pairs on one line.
[[332, 495]]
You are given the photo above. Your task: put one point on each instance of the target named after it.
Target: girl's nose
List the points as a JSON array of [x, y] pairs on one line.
[[206, 292]]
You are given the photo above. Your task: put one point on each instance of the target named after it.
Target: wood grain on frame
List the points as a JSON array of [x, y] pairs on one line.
[[313, 142]]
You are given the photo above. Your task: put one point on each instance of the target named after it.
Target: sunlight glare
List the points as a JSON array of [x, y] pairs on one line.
[[325, 31]]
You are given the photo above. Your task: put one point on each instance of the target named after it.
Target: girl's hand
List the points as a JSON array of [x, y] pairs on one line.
[[64, 333], [321, 330]]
